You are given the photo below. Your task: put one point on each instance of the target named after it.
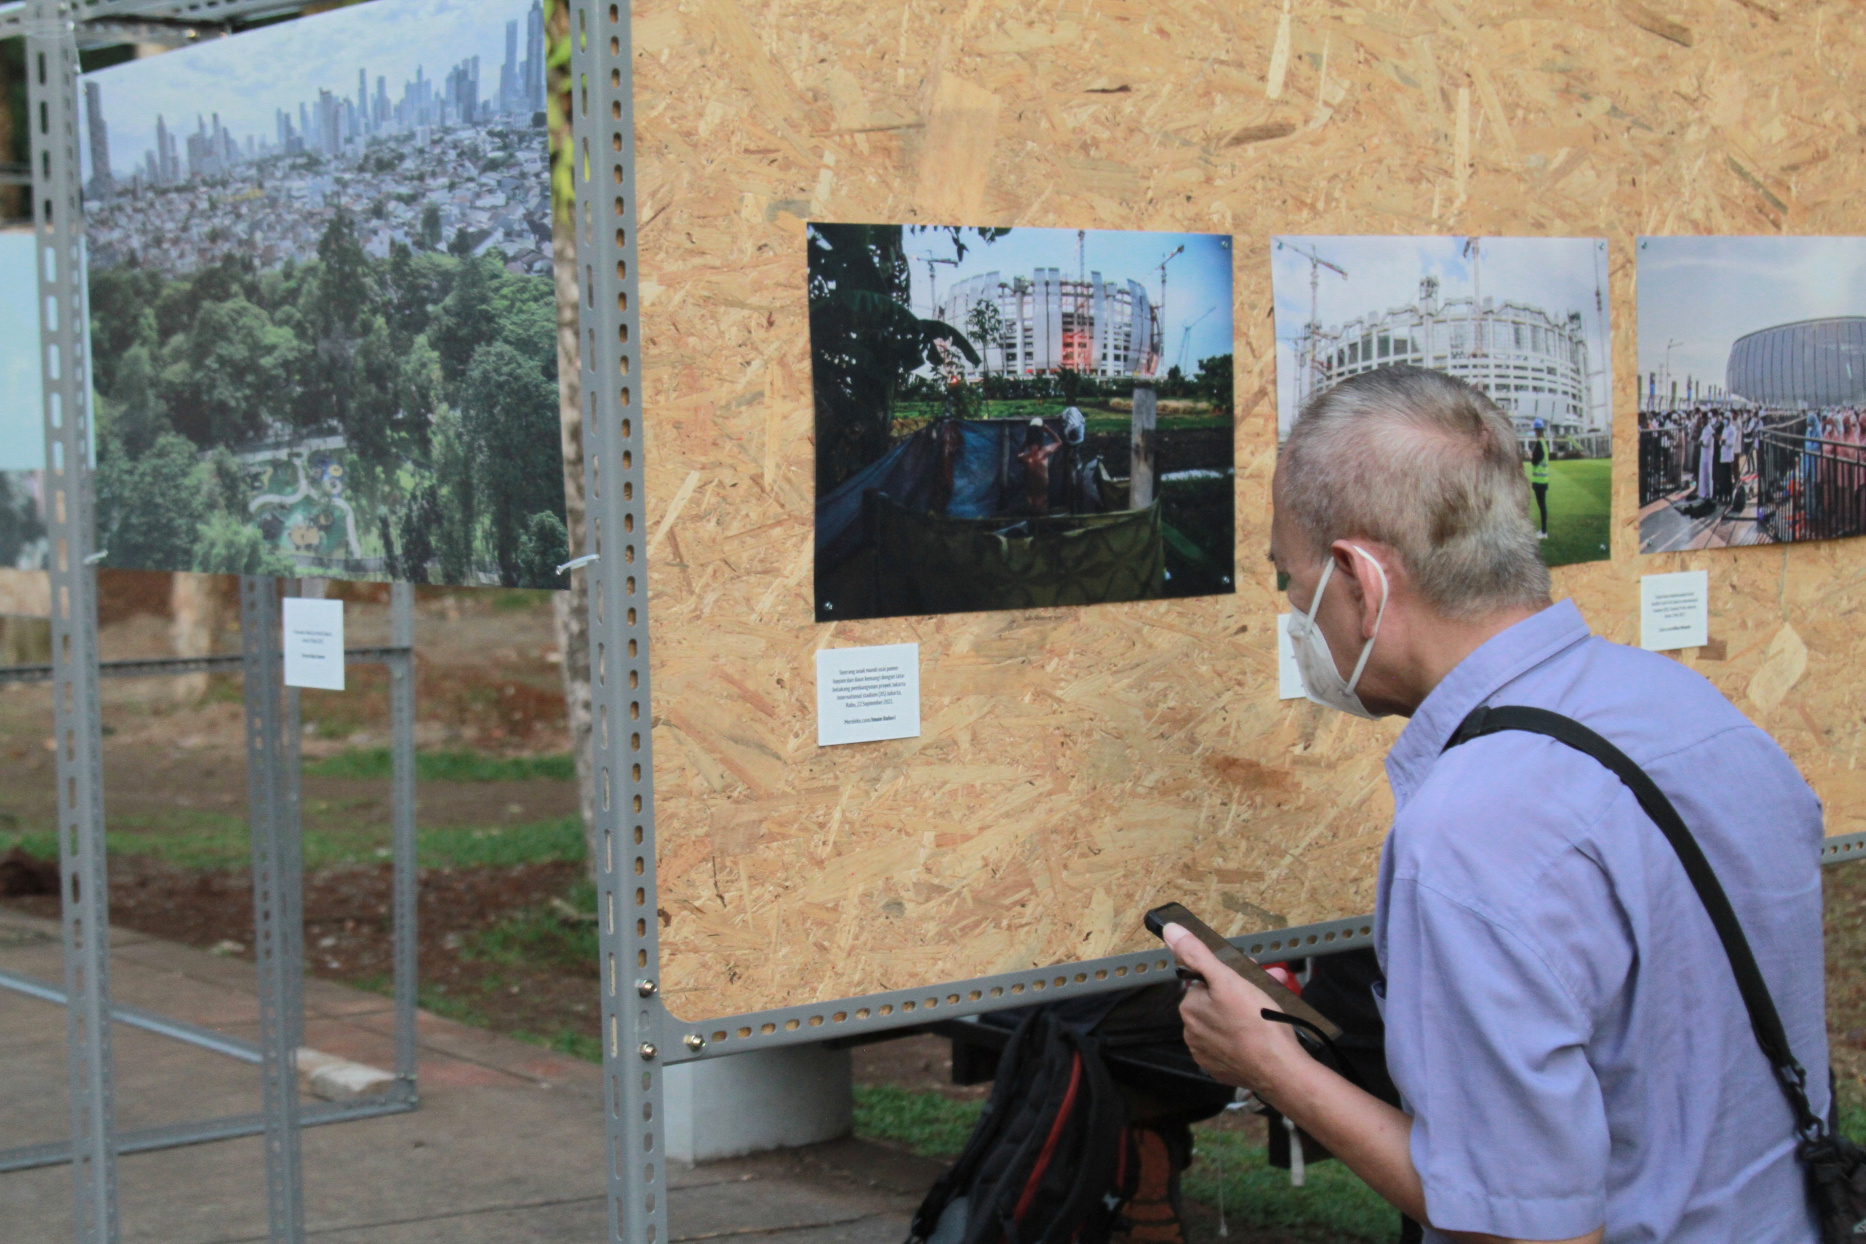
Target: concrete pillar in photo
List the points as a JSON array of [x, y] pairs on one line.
[[767, 1099], [1141, 463]]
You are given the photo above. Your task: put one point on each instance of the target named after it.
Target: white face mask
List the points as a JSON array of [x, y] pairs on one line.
[[1321, 680]]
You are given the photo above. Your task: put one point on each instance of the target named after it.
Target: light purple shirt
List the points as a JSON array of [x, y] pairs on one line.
[[1561, 1019]]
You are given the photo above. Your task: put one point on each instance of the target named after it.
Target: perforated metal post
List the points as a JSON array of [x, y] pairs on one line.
[[402, 839], [603, 125], [51, 94], [278, 881]]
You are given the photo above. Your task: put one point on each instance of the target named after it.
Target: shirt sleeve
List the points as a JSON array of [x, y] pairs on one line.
[[1487, 1047]]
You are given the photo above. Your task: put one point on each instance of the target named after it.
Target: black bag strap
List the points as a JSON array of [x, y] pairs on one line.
[[1763, 1017], [1341, 1064]]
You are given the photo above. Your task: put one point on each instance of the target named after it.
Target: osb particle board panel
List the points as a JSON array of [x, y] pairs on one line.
[[1078, 766]]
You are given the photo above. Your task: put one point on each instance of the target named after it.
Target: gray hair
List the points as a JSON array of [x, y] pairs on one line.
[[1427, 465]]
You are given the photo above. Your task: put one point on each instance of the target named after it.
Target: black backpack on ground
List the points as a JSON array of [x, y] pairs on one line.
[[1058, 1152]]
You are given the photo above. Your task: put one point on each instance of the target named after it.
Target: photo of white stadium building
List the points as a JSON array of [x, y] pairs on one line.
[[1532, 363], [1050, 322]]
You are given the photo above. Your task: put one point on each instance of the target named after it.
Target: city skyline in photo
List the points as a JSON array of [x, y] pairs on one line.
[[314, 85]]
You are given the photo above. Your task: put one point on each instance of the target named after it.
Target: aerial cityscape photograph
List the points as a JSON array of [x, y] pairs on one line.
[[320, 270]]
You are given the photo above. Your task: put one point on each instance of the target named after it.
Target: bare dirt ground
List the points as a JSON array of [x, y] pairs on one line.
[[174, 759], [487, 679]]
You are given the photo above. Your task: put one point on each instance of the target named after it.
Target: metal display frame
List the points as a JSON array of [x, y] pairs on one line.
[[275, 821], [50, 28], [640, 1037], [276, 809]]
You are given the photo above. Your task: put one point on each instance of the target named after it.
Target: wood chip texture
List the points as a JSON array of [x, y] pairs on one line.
[[1080, 765]]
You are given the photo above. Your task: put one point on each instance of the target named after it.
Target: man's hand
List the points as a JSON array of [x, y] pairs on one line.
[[1230, 1038], [1225, 1028]]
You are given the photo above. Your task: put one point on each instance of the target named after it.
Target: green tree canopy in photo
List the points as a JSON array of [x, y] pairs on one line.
[[425, 381], [1215, 381], [865, 338], [227, 377], [228, 544], [510, 414], [149, 508]]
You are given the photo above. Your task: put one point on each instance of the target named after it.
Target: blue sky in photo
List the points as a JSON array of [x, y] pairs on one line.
[[22, 413], [1559, 275], [1705, 292], [246, 76], [1198, 282]]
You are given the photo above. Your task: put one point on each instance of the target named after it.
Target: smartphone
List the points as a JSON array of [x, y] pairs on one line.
[[1239, 962]]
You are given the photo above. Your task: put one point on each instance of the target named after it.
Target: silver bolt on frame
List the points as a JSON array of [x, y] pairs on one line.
[[51, 91], [603, 163], [278, 880]]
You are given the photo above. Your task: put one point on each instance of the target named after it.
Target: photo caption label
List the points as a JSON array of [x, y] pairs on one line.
[[1674, 610], [313, 643], [864, 695]]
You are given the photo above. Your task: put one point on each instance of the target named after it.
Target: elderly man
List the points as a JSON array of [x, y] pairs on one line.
[[1561, 1020]]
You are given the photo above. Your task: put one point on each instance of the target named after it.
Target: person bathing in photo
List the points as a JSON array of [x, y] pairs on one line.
[[1040, 445]]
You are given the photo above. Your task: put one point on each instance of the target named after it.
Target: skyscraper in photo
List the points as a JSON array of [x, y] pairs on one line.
[[168, 163], [462, 92], [329, 123], [103, 184], [511, 89], [534, 57]]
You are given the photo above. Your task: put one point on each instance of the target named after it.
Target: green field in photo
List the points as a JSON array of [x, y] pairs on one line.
[[1580, 510]]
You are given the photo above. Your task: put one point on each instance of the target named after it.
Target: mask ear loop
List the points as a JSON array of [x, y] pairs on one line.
[[1386, 592], [1321, 586]]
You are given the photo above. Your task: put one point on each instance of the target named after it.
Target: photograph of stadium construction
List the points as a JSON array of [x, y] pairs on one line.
[[1019, 418], [1752, 391], [1523, 319]]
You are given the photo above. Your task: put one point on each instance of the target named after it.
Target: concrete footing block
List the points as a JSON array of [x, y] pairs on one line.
[[338, 1079], [766, 1099]]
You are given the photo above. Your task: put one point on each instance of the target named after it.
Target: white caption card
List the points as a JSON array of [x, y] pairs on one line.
[[1674, 610], [313, 643], [1288, 674], [867, 694]]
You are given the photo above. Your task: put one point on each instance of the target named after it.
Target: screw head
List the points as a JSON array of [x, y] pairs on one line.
[[694, 1041], [646, 988], [647, 1050]]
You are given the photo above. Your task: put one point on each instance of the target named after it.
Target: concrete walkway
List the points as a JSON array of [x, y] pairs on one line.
[[507, 1147]]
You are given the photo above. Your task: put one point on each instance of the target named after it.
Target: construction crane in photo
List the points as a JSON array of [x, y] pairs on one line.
[[1159, 312], [1314, 329], [1186, 336], [933, 283]]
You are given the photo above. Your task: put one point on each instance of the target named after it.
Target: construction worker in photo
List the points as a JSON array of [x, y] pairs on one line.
[[1539, 474]]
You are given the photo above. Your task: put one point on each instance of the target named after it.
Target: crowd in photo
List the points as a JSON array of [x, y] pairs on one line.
[[1799, 475]]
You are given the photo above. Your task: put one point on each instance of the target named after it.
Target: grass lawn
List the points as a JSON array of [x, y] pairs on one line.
[[912, 416], [1580, 510], [212, 840], [371, 763]]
